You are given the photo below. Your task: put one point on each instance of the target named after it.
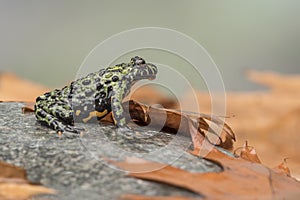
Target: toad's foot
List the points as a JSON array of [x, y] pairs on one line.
[[60, 128]]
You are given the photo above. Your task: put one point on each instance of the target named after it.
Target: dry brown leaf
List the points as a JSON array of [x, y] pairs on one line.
[[247, 153], [14, 185], [277, 82], [282, 168], [176, 121], [11, 171], [141, 197], [14, 88], [13, 191], [240, 179], [28, 108]]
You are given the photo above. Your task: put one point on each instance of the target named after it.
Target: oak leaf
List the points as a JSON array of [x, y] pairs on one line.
[[240, 179]]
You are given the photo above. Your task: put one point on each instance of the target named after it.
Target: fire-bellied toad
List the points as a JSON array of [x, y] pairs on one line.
[[93, 96]]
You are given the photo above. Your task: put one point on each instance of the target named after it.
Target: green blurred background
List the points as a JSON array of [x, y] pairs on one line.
[[47, 40]]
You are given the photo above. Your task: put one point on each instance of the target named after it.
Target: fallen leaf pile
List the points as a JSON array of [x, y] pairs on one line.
[[268, 119], [241, 178], [14, 185]]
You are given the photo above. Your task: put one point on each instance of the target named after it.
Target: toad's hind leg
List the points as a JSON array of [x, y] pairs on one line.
[[53, 122]]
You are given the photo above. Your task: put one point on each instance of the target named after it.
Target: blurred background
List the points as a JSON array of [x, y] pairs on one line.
[[46, 41]]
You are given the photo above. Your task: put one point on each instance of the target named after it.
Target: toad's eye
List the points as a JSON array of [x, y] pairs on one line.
[[137, 60], [140, 61], [115, 78]]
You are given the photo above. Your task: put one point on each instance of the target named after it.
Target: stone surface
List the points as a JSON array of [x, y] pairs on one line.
[[75, 165]]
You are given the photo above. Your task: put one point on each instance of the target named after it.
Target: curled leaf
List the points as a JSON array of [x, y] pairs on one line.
[[176, 121], [282, 168], [247, 153]]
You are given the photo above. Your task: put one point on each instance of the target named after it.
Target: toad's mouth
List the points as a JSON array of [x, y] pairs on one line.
[[151, 78]]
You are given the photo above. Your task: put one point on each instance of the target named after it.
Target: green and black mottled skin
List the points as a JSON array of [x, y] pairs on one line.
[[92, 97]]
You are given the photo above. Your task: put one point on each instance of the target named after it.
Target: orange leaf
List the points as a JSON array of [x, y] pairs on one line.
[[11, 171], [14, 185], [240, 179], [28, 108], [14, 88], [282, 168], [248, 153], [141, 197], [173, 121]]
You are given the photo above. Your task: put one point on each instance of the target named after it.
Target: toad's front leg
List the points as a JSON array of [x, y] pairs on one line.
[[118, 112]]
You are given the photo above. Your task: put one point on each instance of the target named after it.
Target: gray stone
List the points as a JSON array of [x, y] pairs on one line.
[[76, 166]]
